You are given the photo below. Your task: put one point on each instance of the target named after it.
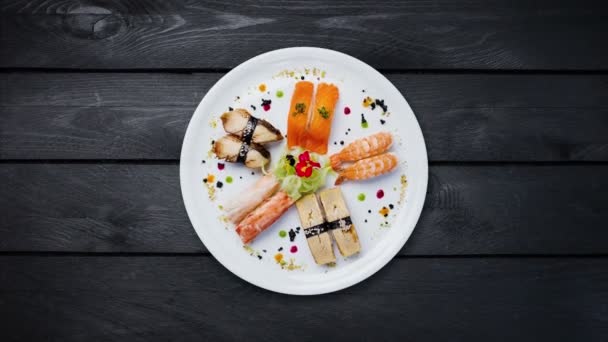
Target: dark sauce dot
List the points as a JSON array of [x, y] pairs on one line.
[[369, 211], [373, 105], [204, 161], [212, 142], [346, 133], [349, 129], [341, 142], [302, 78], [240, 177], [260, 257], [219, 184], [365, 220], [298, 229], [230, 109], [263, 250], [391, 206], [382, 121], [363, 90], [238, 97], [385, 222], [335, 143], [252, 173], [252, 107], [205, 180], [385, 215], [280, 249], [292, 235]]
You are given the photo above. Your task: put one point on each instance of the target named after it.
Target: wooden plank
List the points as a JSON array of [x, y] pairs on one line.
[[415, 34], [195, 298], [469, 210], [469, 117]]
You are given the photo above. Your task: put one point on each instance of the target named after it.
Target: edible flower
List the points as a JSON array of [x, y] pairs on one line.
[[305, 165]]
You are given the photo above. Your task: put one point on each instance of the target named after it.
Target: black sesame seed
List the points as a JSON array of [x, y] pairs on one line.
[[335, 143], [212, 142], [263, 250], [385, 215], [349, 129], [298, 228], [219, 184], [341, 142], [373, 105], [252, 173], [382, 121], [369, 211], [260, 257], [302, 77], [280, 249], [386, 222], [391, 206], [253, 107], [366, 221], [230, 109], [205, 180], [204, 161], [240, 177], [346, 133]]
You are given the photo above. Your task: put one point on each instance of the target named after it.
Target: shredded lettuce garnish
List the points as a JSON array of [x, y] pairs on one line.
[[296, 186]]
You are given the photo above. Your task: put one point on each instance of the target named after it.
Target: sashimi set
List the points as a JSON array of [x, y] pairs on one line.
[[299, 174]]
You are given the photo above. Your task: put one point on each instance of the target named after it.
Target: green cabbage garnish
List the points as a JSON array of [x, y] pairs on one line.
[[294, 185]]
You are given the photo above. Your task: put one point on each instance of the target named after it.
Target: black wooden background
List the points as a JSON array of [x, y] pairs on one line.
[[512, 97]]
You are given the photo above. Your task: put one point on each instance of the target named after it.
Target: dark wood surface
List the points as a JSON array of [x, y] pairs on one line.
[[512, 98]]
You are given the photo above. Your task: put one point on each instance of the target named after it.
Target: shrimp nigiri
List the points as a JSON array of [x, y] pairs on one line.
[[263, 216], [368, 168], [297, 118], [362, 148], [319, 125], [241, 205]]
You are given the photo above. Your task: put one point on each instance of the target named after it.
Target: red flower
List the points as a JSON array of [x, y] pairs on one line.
[[305, 165]]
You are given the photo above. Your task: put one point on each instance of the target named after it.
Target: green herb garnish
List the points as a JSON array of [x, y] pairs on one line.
[[300, 109], [324, 113]]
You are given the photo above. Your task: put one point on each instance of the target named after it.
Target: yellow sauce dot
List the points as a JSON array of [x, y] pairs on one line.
[[384, 211], [210, 178], [367, 101], [278, 257], [262, 87]]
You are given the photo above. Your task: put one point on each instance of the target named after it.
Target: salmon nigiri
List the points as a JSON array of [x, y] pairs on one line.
[[297, 118], [319, 126]]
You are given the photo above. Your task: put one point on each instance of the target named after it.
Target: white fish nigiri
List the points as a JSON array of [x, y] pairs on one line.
[[245, 201]]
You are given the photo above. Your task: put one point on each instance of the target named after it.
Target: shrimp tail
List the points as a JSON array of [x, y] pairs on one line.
[[340, 179], [335, 162]]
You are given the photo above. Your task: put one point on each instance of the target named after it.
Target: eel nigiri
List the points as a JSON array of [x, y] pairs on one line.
[[249, 128], [319, 125], [297, 118], [362, 148], [368, 168], [263, 216], [232, 149], [245, 201]]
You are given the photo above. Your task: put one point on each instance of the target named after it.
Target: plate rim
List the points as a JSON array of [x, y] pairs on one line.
[[386, 256]]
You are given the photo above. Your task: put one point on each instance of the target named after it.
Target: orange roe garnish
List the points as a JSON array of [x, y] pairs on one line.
[[367, 101], [210, 178], [278, 257], [384, 211], [262, 87]]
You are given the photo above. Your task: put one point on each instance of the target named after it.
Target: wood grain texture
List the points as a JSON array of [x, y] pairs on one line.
[[469, 117], [195, 298], [415, 34], [469, 210]]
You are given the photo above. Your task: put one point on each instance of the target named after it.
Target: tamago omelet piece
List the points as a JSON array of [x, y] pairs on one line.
[[339, 222], [315, 229]]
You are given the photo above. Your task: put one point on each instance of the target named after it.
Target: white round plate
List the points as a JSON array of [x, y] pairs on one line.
[[404, 189]]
